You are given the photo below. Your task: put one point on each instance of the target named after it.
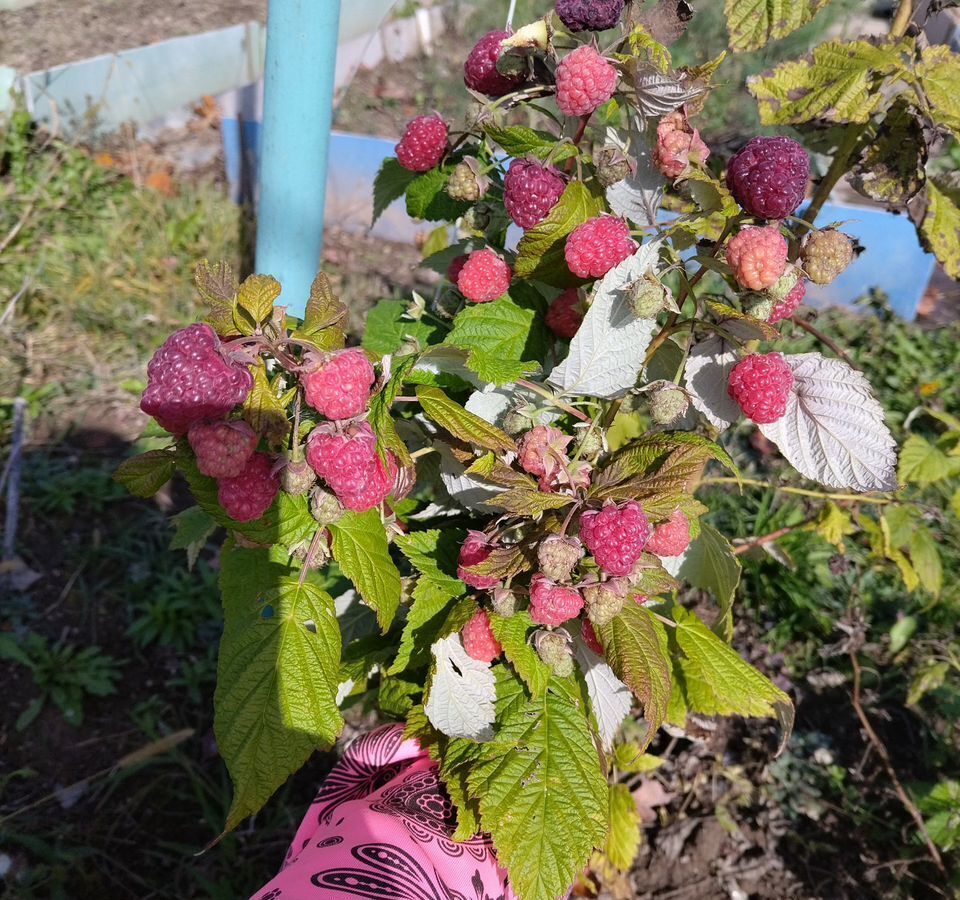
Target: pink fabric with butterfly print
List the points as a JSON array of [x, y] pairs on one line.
[[381, 828]]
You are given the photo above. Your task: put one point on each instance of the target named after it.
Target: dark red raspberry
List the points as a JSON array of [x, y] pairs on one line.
[[553, 604], [565, 314], [222, 448], [757, 257], [480, 71], [596, 246], [616, 535], [423, 143], [456, 267], [484, 276], [768, 176], [478, 639], [761, 384], [340, 387], [589, 15], [585, 80], [250, 494], [788, 305], [474, 550], [190, 379], [349, 463], [530, 191]]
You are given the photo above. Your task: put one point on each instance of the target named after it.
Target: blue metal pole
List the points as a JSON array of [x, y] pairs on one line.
[[297, 114]]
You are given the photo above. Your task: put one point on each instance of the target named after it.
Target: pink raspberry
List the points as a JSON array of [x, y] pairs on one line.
[[456, 267], [530, 191], [475, 549], [768, 176], [340, 388], [672, 537], [565, 313], [222, 448], [616, 535], [541, 446], [788, 305], [484, 276], [480, 71], [423, 143], [553, 604], [585, 80], [250, 494], [589, 15], [597, 245], [190, 378], [678, 146], [589, 636], [478, 639], [761, 384], [757, 256], [349, 463]]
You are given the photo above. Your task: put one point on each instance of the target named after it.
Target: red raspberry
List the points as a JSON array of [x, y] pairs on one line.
[[423, 143], [825, 254], [757, 256], [565, 314], [530, 191], [475, 549], [672, 537], [250, 494], [768, 176], [349, 463], [190, 378], [597, 245], [589, 636], [478, 639], [553, 604], [589, 15], [788, 305], [678, 145], [616, 535], [456, 267], [480, 71], [340, 388], [761, 385], [484, 276], [585, 80], [222, 448]]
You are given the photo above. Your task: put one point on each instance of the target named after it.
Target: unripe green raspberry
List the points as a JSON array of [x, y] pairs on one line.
[[604, 600], [648, 297], [668, 403], [504, 602], [612, 165], [558, 556], [477, 218], [590, 443], [296, 477], [465, 182], [553, 647], [758, 305], [519, 420], [783, 285], [825, 254], [325, 507]]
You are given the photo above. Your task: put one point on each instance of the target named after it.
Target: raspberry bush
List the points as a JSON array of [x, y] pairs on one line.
[[500, 485]]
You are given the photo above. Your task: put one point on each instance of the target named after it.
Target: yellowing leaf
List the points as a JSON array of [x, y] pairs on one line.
[[834, 524], [623, 839], [754, 23], [922, 463], [939, 76], [940, 227], [256, 296], [926, 560]]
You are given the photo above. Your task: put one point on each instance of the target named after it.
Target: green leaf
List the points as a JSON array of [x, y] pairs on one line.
[[940, 226], [524, 502], [540, 252], [519, 141], [192, 528], [630, 759], [635, 646], [325, 315], [929, 677], [901, 632], [543, 796], [651, 452], [428, 199], [717, 682], [939, 75], [623, 838], [256, 297], [512, 633], [387, 329], [940, 805], [923, 463], [710, 564], [754, 23], [504, 338], [838, 82], [277, 679], [390, 184], [466, 426], [217, 286], [361, 550], [925, 557], [145, 474], [955, 503], [263, 410]]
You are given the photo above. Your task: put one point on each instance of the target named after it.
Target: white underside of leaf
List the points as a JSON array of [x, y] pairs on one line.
[[610, 698], [607, 352], [637, 197], [465, 490], [673, 564], [462, 692], [707, 373], [493, 403], [833, 430]]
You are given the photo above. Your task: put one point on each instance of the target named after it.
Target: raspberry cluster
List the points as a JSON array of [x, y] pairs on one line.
[[480, 72], [476, 548], [678, 146], [671, 538], [589, 15], [565, 313], [349, 463], [757, 257], [478, 639], [249, 494]]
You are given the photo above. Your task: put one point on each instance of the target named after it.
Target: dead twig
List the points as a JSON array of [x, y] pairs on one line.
[[8, 311]]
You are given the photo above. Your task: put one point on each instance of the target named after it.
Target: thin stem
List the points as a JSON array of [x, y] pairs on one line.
[[547, 395], [803, 492], [311, 551], [820, 336], [901, 21], [839, 166], [423, 451], [769, 538]]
